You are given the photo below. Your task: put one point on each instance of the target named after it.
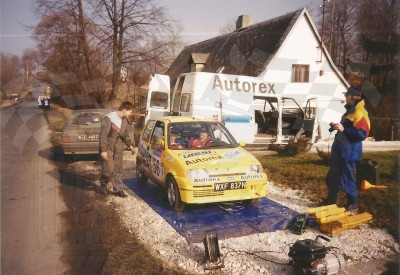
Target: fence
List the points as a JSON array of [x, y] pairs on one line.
[[385, 128]]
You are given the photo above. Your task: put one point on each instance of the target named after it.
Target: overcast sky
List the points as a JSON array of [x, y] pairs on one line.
[[201, 19]]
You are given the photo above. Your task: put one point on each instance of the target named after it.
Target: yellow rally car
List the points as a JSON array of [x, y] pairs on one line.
[[198, 161]]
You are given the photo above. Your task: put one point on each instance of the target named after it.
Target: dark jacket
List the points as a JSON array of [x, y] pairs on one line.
[[348, 144], [112, 138]]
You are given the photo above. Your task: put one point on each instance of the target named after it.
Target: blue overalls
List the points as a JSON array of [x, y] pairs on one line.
[[346, 151]]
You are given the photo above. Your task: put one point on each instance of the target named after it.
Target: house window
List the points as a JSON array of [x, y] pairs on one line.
[[300, 73]]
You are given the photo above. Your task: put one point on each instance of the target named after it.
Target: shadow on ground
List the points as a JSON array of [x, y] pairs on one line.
[[97, 240]]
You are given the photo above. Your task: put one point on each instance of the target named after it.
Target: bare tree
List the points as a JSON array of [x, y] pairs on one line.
[[10, 73], [377, 20], [125, 25], [338, 28], [379, 39], [64, 44], [10, 68], [174, 44], [83, 45], [229, 26], [362, 31], [29, 61], [80, 41]]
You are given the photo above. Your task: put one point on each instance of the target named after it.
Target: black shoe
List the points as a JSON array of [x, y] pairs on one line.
[[121, 194], [326, 202], [352, 207], [104, 189]]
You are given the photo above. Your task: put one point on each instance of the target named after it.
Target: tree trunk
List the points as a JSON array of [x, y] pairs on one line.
[[115, 65], [85, 47]]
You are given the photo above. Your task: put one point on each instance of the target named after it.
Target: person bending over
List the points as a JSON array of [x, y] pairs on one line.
[[114, 135]]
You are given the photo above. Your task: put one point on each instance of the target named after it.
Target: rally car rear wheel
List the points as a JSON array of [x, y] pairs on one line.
[[141, 177], [174, 197]]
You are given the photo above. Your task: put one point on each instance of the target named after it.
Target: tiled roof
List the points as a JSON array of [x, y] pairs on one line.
[[245, 52]]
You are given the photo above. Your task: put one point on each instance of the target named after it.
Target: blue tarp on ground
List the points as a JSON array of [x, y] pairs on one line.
[[229, 219]]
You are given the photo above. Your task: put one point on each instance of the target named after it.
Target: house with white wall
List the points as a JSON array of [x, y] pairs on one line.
[[285, 52]]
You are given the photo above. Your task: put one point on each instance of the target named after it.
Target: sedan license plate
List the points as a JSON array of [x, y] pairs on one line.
[[88, 137], [230, 185]]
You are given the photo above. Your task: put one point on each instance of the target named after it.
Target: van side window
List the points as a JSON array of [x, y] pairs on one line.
[[177, 101], [180, 83], [185, 102], [159, 99]]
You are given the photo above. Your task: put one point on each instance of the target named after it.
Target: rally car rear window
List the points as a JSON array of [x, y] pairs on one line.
[[88, 118]]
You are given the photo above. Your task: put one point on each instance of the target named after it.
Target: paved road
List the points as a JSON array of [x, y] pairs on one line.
[[31, 206]]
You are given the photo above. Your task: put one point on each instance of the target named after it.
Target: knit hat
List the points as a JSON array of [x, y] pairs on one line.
[[352, 92]]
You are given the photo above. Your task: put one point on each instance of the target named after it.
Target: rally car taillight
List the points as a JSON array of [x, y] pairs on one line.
[[65, 139]]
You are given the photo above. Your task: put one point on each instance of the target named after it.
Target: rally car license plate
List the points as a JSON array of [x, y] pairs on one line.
[[230, 185], [88, 137]]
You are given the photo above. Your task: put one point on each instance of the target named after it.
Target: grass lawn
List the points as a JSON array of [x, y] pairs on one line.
[[307, 172]]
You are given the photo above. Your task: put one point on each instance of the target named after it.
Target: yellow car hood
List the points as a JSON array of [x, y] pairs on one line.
[[217, 161]]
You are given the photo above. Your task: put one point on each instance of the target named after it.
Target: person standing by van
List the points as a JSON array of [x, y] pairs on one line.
[[114, 135], [353, 128]]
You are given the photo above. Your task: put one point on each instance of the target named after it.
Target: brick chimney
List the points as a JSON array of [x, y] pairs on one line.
[[244, 21]]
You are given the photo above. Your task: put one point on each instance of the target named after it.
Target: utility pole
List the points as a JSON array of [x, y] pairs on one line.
[[332, 20], [322, 28]]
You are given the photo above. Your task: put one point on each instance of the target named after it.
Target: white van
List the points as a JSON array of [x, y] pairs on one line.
[[251, 112], [43, 101]]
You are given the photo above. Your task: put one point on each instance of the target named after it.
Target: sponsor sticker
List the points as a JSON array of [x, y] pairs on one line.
[[202, 159], [207, 180], [232, 154], [194, 154], [251, 177]]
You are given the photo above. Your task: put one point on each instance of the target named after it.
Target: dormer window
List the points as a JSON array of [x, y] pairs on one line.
[[198, 61]]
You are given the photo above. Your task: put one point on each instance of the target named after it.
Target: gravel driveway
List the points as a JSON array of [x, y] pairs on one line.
[[366, 250]]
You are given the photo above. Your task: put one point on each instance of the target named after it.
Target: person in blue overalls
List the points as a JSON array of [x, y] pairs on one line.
[[346, 150]]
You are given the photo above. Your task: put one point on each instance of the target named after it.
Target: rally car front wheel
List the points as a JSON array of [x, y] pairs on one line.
[[141, 177], [174, 197]]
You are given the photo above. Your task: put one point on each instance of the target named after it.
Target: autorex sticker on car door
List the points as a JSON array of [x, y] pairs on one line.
[[157, 169], [146, 157]]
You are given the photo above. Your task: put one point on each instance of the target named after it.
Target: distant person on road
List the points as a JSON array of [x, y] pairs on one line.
[[114, 135], [43, 102], [346, 150]]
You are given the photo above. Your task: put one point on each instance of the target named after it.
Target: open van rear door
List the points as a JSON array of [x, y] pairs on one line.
[[158, 97], [311, 120]]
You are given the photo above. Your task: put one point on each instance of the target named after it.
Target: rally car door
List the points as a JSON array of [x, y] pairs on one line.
[[157, 145]]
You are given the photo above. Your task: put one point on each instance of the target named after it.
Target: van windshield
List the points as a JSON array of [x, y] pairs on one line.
[[198, 135]]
